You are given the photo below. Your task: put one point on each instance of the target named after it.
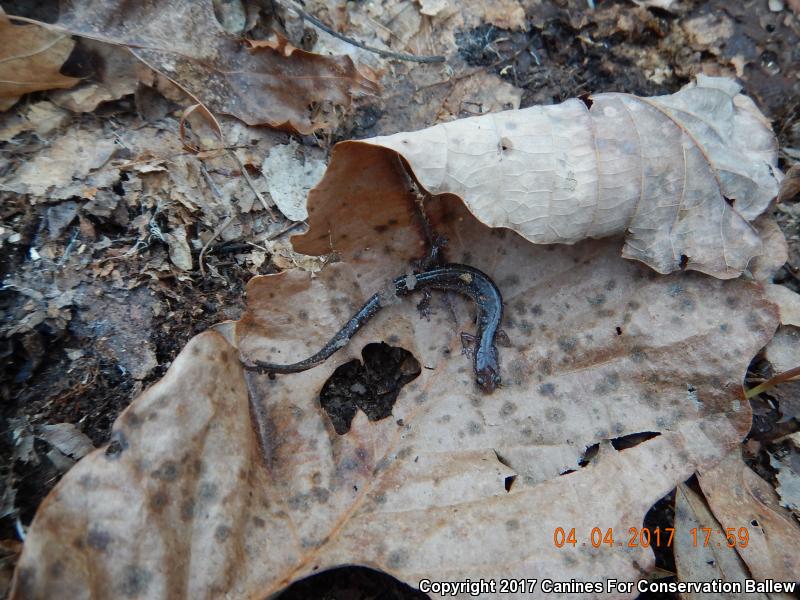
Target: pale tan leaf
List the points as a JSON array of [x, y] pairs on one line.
[[290, 174], [738, 497], [218, 484], [658, 169], [788, 303], [69, 167], [40, 117], [67, 438], [697, 561], [783, 350], [179, 251], [662, 4], [774, 249], [30, 60]]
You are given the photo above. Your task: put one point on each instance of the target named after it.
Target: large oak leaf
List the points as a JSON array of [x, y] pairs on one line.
[[217, 481], [682, 175]]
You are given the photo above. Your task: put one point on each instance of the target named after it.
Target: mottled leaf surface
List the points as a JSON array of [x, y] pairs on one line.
[[217, 481]]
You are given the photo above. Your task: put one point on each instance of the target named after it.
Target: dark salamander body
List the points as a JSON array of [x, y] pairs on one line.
[[451, 277]]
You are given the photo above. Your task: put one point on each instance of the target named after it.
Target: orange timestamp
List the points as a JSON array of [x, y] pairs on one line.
[[647, 537]]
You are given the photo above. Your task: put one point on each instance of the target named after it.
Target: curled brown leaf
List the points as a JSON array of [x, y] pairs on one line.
[[30, 60]]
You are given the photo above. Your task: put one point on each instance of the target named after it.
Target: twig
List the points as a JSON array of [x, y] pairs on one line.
[[215, 190], [385, 53], [772, 382], [68, 249], [250, 182], [214, 236], [286, 229]]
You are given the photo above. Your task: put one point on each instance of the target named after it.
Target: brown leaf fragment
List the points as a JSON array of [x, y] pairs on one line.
[[182, 40], [41, 117], [739, 498], [700, 562], [790, 186], [113, 76], [30, 59], [67, 438], [179, 251], [68, 167]]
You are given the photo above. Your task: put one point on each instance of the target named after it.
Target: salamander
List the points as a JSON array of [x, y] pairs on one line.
[[463, 279]]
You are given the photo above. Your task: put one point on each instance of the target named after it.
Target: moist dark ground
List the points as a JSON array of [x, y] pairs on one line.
[[568, 51]]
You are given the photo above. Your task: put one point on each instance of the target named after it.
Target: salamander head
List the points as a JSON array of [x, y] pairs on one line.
[[487, 371]]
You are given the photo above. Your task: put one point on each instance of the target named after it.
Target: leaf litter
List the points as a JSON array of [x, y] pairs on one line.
[[394, 493], [183, 41]]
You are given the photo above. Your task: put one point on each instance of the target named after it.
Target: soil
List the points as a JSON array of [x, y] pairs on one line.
[[568, 51]]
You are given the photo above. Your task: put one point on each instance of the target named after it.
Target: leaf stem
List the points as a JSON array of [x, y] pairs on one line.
[[385, 53], [772, 382]]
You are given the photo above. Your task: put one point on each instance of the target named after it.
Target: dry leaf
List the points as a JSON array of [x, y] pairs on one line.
[[115, 76], [698, 561], [69, 167], [40, 117], [179, 251], [738, 497], [30, 59], [658, 168], [290, 175], [480, 94], [786, 463], [790, 186], [183, 40], [258, 489], [662, 4], [783, 349], [774, 249], [783, 354], [788, 303]]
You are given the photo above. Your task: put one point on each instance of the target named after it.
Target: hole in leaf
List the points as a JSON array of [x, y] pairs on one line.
[[341, 583], [588, 455], [372, 386], [730, 201], [619, 330], [661, 516], [684, 261], [619, 443], [754, 523], [118, 188], [634, 439], [510, 481]]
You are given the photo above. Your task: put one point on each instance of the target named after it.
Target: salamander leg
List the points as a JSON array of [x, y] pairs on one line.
[[468, 344], [501, 339]]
